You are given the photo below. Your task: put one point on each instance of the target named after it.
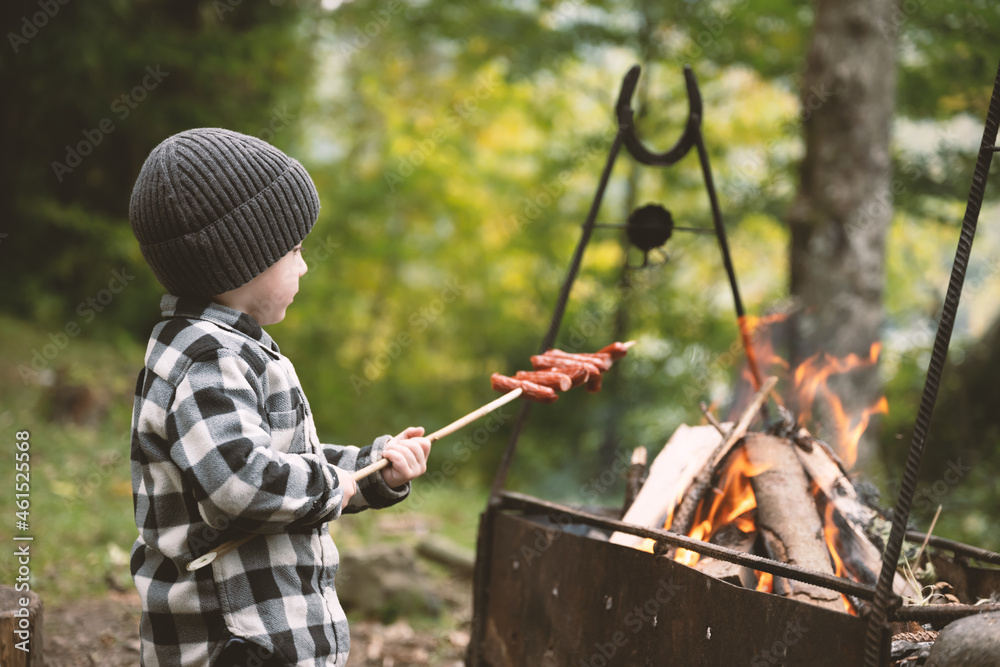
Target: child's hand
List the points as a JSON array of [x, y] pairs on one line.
[[347, 484], [407, 454]]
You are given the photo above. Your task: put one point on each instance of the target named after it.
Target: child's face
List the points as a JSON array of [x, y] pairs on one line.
[[278, 285], [266, 297]]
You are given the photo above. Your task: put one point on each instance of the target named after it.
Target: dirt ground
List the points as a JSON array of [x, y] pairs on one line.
[[104, 632]]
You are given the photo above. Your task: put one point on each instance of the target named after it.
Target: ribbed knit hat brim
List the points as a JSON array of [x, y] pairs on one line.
[[212, 209]]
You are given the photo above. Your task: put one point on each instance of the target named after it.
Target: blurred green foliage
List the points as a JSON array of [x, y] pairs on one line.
[[456, 148]]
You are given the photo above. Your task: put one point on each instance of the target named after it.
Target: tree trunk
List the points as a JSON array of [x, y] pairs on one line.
[[844, 206]]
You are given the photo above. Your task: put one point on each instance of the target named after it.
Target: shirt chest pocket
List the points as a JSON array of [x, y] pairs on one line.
[[288, 430]]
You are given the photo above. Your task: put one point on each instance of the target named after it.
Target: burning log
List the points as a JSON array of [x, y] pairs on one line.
[[787, 518], [635, 477], [732, 573], [685, 513], [673, 470], [861, 558]]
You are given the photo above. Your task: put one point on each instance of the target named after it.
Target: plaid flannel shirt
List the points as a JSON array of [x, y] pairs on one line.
[[224, 443]]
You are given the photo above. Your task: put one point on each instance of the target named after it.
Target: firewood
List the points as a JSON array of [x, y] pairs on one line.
[[634, 477], [787, 518], [732, 573], [671, 473], [825, 469], [685, 513], [862, 558]]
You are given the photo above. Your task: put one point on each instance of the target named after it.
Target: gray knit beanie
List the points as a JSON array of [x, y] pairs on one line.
[[213, 208]]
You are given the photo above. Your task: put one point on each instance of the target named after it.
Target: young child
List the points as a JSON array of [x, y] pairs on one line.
[[223, 438]]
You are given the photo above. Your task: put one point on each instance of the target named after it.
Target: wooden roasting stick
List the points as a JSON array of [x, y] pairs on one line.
[[447, 430], [226, 547]]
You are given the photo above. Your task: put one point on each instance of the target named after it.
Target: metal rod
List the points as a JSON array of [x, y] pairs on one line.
[[676, 228], [727, 262], [550, 336], [958, 548], [874, 644], [941, 613], [512, 500]]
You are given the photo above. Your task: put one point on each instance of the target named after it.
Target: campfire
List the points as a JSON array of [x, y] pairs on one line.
[[744, 542], [780, 493]]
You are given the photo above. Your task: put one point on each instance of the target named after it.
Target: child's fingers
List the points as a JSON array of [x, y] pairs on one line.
[[425, 445], [405, 458], [410, 432], [421, 448]]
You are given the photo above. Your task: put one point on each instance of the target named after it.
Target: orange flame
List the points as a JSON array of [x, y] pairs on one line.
[[832, 537], [810, 383], [732, 501], [811, 378]]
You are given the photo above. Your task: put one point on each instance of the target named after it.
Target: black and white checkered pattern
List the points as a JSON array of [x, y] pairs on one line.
[[224, 443]]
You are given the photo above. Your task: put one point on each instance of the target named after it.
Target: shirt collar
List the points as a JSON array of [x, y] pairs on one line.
[[228, 318]]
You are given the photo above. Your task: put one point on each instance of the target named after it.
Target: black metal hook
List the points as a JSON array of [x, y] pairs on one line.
[[626, 121]]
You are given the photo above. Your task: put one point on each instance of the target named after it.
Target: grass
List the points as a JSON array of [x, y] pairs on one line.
[[80, 491], [81, 508]]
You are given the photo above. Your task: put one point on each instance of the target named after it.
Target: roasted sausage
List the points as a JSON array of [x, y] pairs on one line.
[[616, 350], [546, 361], [599, 359], [532, 391], [550, 379]]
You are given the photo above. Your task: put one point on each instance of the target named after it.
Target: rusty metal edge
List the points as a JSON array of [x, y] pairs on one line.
[[514, 500]]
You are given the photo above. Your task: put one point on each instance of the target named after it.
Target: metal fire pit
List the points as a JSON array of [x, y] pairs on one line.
[[550, 589], [562, 597]]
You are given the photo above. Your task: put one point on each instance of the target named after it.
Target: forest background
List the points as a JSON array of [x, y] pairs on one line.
[[456, 147]]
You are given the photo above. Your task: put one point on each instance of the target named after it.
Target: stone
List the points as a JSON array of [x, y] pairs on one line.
[[385, 582], [973, 641]]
